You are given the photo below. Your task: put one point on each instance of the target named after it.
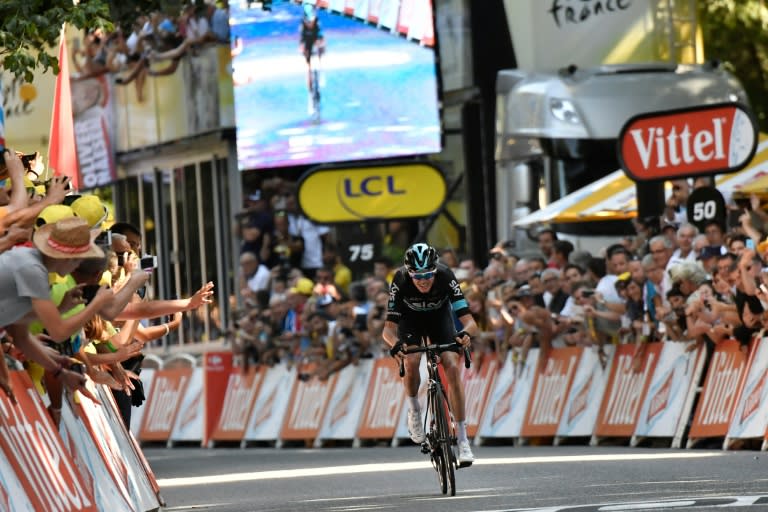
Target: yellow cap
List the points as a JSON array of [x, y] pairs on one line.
[[53, 213], [90, 208], [303, 286]]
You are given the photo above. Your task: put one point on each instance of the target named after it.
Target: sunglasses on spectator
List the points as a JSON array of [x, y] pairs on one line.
[[423, 276]]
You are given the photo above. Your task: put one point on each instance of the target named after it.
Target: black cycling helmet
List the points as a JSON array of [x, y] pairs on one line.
[[420, 257]]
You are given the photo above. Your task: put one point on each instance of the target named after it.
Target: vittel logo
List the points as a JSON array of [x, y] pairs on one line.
[[165, 401], [386, 399], [666, 145], [551, 388], [752, 402], [579, 403], [504, 404], [660, 400], [308, 407], [717, 403], [234, 412], [625, 393]]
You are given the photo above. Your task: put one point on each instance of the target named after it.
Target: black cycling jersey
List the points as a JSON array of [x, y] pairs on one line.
[[310, 34], [426, 314]]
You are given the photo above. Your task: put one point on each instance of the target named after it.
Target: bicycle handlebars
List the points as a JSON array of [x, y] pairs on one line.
[[436, 349]]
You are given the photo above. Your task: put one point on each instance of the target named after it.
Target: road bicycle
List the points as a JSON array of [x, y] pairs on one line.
[[314, 85], [439, 423]]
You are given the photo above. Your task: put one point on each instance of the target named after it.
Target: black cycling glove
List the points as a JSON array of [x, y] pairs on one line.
[[396, 348]]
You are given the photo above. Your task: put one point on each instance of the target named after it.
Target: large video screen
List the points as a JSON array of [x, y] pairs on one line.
[[333, 80]]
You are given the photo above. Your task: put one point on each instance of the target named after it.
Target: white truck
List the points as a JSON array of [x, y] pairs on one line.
[[557, 132]]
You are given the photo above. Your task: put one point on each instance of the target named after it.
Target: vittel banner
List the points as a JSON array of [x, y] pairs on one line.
[[710, 139], [720, 393]]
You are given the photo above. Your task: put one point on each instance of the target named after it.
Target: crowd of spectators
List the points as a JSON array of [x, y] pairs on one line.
[[669, 281], [153, 45], [71, 291]]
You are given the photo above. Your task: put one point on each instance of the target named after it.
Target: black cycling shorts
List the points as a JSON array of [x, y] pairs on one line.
[[437, 326]]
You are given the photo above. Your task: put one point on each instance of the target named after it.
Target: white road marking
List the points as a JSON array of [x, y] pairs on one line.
[[409, 466], [646, 506]]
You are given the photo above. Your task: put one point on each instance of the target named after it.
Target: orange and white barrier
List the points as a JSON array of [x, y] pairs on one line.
[[568, 394], [625, 391], [345, 408], [271, 403], [410, 18], [90, 463], [551, 387], [237, 404], [44, 467], [720, 393], [163, 403], [506, 407], [306, 407], [669, 401], [583, 405], [384, 402], [750, 418], [478, 384]]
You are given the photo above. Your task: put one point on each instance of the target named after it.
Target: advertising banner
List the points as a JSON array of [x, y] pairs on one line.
[[478, 383], [29, 443], [123, 468], [751, 414], [506, 407], [271, 403], [162, 405], [108, 494], [720, 393], [369, 193], [551, 387], [383, 403], [674, 144], [307, 406], [345, 408], [583, 405], [188, 425], [93, 124], [217, 368], [592, 32], [238, 404], [667, 405], [12, 494], [141, 480], [625, 391]]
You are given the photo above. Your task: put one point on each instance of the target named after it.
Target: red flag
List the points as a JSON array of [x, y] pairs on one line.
[[62, 152]]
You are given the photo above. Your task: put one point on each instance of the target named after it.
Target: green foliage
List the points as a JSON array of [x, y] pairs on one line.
[[736, 32], [29, 34], [30, 31]]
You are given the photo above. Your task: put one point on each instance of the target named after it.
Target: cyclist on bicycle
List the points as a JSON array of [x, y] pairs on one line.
[[312, 39], [423, 298]]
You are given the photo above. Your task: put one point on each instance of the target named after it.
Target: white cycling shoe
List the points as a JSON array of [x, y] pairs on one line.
[[415, 428], [466, 457]]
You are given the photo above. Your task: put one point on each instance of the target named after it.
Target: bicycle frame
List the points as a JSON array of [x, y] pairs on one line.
[[441, 428]]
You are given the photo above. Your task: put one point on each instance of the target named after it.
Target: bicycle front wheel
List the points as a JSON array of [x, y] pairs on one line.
[[444, 439]]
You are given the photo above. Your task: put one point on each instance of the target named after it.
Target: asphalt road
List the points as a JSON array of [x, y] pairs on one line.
[[504, 478]]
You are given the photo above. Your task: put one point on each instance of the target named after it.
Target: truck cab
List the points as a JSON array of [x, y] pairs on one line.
[[557, 132]]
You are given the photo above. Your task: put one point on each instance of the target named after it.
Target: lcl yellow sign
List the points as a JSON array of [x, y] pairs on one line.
[[370, 193]]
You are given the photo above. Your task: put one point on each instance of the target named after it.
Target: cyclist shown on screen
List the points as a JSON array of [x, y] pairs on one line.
[[423, 298], [311, 43]]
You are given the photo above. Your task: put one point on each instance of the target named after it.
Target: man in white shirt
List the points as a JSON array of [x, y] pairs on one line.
[[254, 276]]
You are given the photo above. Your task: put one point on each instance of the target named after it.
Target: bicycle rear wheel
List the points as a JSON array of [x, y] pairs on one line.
[[443, 446]]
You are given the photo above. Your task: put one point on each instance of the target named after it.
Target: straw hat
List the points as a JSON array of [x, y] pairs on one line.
[[67, 238]]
